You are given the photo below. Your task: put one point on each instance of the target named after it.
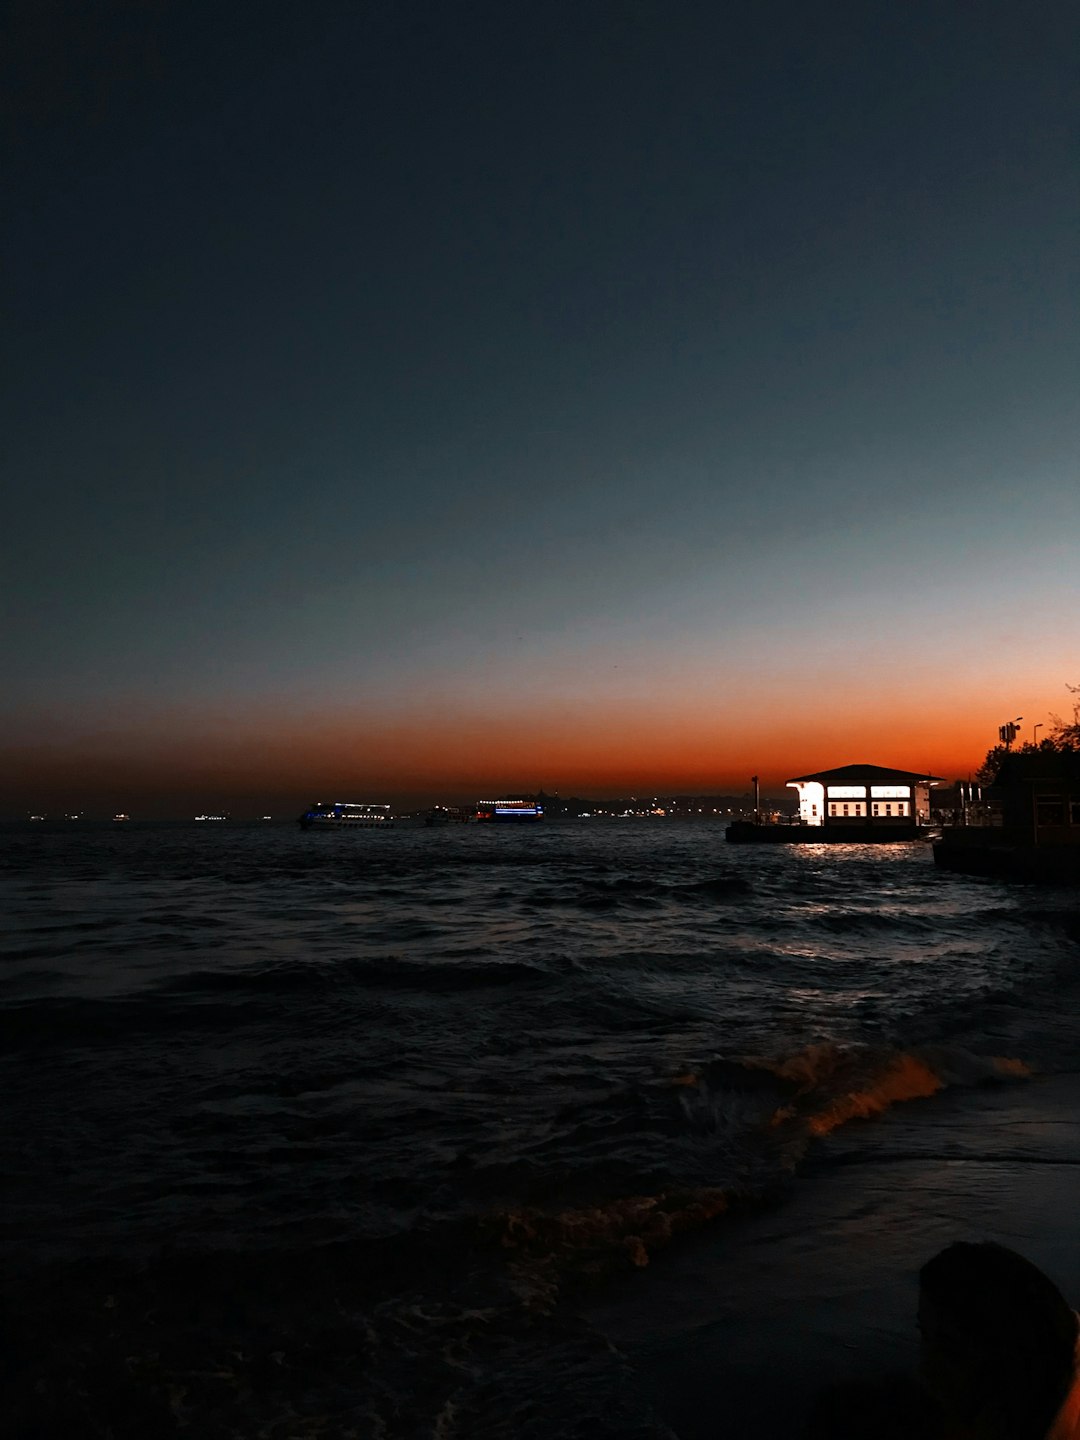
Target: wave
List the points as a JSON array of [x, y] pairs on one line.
[[857, 922], [187, 1001], [716, 887], [589, 1242], [641, 891], [729, 1134], [835, 1085], [390, 973], [287, 1327]]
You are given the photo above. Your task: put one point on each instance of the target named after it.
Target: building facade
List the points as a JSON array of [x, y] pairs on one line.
[[1036, 797], [1027, 826]]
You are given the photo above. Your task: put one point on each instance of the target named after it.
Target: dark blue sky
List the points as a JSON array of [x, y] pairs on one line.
[[566, 366]]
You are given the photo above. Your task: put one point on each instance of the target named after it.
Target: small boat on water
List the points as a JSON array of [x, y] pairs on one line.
[[346, 815]]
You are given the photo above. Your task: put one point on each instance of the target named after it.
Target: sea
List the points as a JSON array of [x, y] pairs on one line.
[[329, 1134]]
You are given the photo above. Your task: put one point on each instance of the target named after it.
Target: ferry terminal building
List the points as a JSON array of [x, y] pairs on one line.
[[865, 801]]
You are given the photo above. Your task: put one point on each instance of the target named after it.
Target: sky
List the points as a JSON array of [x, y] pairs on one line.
[[412, 401]]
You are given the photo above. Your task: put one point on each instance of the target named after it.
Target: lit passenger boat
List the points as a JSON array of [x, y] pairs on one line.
[[515, 811], [342, 815]]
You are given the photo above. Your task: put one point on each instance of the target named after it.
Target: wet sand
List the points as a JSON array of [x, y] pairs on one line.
[[733, 1333]]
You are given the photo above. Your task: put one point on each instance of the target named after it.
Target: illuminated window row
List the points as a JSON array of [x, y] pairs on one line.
[[855, 809], [877, 792]]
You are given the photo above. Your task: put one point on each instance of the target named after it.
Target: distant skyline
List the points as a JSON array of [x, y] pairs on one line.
[[414, 401], [227, 772]]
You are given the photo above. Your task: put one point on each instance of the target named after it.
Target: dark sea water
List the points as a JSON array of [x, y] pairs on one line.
[[322, 1134]]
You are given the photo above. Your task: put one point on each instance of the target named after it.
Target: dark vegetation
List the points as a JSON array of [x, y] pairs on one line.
[[1064, 738]]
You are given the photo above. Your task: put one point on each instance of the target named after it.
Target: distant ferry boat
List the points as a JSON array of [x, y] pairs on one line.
[[512, 810], [341, 815], [211, 817], [120, 818]]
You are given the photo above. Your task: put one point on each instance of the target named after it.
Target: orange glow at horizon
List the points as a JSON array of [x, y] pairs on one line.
[[690, 744]]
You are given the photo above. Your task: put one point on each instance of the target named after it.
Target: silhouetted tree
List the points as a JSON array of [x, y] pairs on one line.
[[987, 771], [1064, 737], [1066, 733]]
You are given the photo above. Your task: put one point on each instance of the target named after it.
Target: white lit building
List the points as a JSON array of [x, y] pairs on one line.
[[865, 797]]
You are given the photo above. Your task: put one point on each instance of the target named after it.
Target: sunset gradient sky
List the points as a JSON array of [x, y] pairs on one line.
[[416, 401]]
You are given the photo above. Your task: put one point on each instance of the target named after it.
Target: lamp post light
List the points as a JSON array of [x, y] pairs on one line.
[[1035, 732], [1007, 732]]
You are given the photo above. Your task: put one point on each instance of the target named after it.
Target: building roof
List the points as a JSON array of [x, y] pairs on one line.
[[870, 775]]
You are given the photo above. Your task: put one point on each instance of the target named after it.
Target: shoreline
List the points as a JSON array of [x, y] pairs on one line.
[[738, 1329]]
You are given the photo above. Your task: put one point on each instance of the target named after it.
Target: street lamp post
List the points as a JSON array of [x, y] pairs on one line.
[[1035, 732], [1007, 732]]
